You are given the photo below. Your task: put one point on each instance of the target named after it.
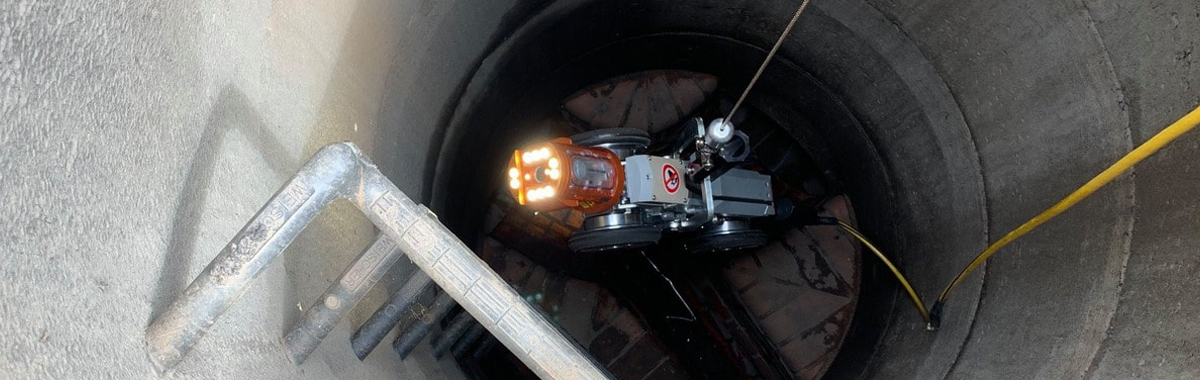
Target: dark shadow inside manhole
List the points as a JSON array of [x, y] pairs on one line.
[[833, 120], [779, 311]]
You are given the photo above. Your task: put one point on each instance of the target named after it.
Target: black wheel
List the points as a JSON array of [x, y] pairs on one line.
[[622, 141], [726, 236], [590, 241]]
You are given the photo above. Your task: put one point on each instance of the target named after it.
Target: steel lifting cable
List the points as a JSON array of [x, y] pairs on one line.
[[845, 226], [771, 54], [932, 316]]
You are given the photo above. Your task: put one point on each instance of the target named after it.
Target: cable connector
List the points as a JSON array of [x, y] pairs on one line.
[[935, 316], [826, 220], [788, 211]]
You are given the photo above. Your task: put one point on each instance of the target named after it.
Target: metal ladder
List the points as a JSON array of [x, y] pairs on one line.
[[341, 171]]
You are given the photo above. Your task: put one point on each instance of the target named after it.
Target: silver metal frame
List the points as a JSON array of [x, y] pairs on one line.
[[341, 171], [341, 296]]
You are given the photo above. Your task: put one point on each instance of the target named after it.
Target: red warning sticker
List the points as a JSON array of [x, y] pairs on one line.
[[670, 178]]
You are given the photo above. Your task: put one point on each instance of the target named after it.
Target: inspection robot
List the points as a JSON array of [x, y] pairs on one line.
[[696, 186]]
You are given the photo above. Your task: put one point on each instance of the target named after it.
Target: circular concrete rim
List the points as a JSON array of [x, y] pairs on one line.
[[911, 74]]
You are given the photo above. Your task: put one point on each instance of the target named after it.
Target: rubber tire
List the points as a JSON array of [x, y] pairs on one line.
[[584, 241], [612, 136]]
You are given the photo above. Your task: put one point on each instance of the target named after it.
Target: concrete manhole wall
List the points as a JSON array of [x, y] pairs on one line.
[[138, 137]]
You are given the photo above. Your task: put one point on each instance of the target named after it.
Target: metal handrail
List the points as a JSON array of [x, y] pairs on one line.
[[341, 171]]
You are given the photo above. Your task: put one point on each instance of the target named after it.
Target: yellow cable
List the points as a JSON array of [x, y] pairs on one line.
[[1151, 146], [903, 281]]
